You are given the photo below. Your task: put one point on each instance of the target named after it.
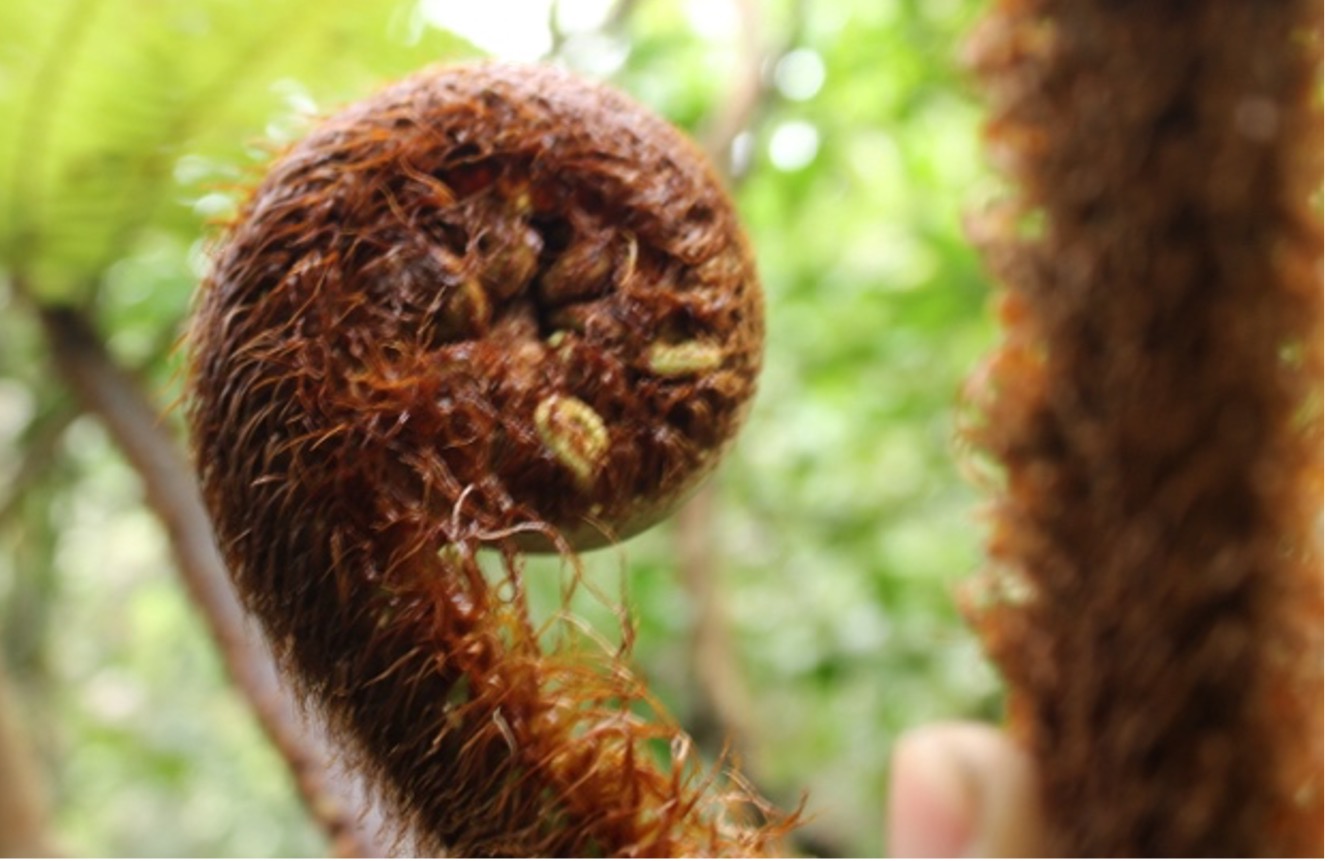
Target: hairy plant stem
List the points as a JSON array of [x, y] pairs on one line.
[[108, 392]]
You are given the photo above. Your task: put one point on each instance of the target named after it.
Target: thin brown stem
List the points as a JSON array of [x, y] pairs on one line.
[[720, 718], [748, 89], [723, 714], [109, 393], [24, 815]]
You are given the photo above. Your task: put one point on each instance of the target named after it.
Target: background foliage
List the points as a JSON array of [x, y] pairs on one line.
[[841, 525]]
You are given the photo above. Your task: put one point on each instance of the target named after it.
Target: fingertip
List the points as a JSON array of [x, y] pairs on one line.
[[932, 808], [961, 789]]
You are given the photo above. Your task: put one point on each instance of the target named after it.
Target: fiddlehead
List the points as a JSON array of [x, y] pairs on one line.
[[489, 307]]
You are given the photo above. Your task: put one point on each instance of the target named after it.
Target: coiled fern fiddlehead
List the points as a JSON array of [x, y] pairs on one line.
[[496, 307]]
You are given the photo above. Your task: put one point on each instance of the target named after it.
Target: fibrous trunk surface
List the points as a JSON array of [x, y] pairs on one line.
[[1155, 597]]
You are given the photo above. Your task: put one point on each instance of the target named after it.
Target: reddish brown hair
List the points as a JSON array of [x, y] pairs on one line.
[[490, 307], [1155, 598]]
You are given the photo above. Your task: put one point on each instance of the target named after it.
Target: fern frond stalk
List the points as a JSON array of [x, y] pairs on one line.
[[1156, 593]]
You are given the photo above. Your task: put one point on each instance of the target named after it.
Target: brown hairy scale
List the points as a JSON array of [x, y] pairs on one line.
[[1156, 592], [491, 307]]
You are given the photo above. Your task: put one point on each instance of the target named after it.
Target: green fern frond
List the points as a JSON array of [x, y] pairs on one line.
[[100, 100]]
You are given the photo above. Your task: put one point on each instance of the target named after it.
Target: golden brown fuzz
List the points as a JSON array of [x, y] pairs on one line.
[[1156, 594], [497, 307]]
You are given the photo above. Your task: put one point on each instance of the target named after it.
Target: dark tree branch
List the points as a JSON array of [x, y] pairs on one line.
[[108, 392]]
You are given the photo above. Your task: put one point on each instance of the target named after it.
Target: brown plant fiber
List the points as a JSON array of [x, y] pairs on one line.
[[490, 307], [1155, 598]]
